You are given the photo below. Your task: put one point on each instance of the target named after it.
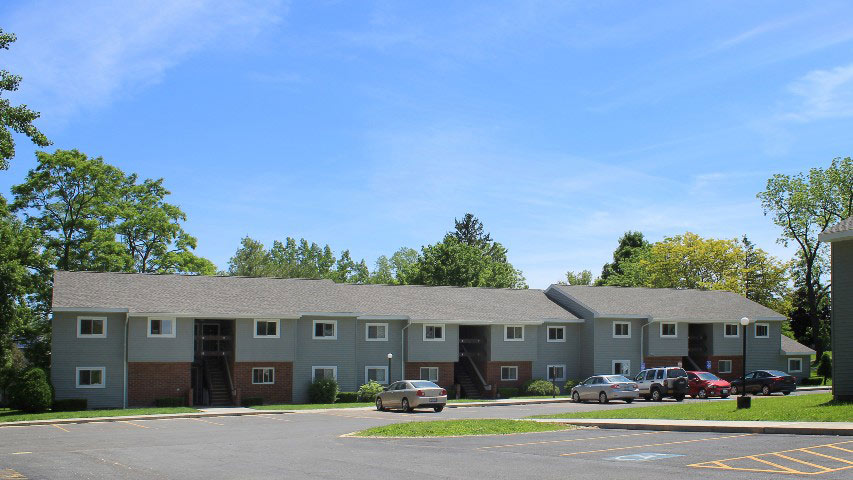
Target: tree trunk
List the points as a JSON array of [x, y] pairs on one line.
[[814, 317]]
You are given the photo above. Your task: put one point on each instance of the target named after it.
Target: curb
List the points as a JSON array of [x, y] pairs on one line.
[[793, 428], [504, 403], [127, 418]]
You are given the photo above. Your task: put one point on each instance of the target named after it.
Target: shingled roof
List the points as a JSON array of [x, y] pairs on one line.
[[276, 297], [840, 231], [793, 347], [667, 303]]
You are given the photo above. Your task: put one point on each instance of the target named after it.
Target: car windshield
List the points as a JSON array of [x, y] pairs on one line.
[[423, 384], [617, 379], [675, 373], [707, 376], [777, 373]]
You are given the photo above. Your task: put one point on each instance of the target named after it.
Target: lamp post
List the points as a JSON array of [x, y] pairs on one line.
[[743, 401], [388, 379]]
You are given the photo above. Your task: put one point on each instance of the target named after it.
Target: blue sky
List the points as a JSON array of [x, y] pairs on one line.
[[371, 125]]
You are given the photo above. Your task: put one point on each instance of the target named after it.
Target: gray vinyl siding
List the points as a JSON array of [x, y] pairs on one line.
[[250, 349], [69, 352], [375, 354], [312, 352], [665, 346], [142, 348], [419, 350], [525, 350], [763, 353], [722, 345], [608, 348], [559, 353], [842, 317], [806, 363], [587, 330]]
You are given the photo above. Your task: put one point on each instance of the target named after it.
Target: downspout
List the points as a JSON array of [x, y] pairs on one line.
[[642, 338], [402, 352], [126, 321]]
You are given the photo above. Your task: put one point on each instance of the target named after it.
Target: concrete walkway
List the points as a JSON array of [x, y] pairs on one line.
[[205, 412], [721, 426]]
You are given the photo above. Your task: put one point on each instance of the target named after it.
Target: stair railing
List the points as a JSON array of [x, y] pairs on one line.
[[230, 381], [205, 395], [466, 355]]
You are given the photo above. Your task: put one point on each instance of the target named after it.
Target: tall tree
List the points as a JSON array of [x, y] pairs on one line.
[[383, 273], [578, 278], [65, 197], [452, 262], [402, 262], [804, 205], [630, 245], [250, 260], [14, 118]]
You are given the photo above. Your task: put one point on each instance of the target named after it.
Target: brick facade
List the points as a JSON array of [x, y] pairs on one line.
[[445, 372], [279, 392], [148, 381], [655, 362], [737, 366], [493, 374]]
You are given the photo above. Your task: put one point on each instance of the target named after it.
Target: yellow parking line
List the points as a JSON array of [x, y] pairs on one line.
[[786, 457], [9, 474], [781, 468], [565, 440], [61, 428], [134, 424], [206, 421], [830, 456], [21, 453], [839, 448], [656, 444], [723, 465]]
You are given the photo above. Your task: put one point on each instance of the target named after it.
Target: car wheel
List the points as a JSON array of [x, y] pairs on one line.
[[656, 395], [765, 390], [602, 398], [702, 393], [734, 390], [379, 404], [679, 398], [786, 393], [576, 397], [629, 400], [438, 408], [647, 398], [405, 405]]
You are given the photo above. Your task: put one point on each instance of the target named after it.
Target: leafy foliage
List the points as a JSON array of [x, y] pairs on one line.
[[369, 391], [31, 392], [14, 118], [324, 390], [581, 278], [824, 368], [542, 388], [630, 244]]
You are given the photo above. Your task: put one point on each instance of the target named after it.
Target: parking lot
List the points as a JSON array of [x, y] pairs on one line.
[[302, 445]]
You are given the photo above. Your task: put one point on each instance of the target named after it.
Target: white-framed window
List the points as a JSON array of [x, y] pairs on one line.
[[621, 367], [376, 332], [318, 373], [263, 375], [724, 366], [509, 374], [513, 333], [267, 328], [762, 330], [377, 374], [621, 329], [668, 329], [91, 327], [795, 365], [161, 327], [325, 330], [429, 373], [556, 334], [556, 373], [91, 377], [433, 332], [731, 330]]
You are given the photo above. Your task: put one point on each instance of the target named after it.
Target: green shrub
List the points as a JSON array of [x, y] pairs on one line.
[[508, 392], [70, 405], [324, 390], [542, 388], [570, 384], [824, 368], [31, 392], [369, 391], [812, 381], [251, 401], [347, 397], [166, 402]]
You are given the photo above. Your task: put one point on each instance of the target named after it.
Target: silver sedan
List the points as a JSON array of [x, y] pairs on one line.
[[408, 395], [605, 388]]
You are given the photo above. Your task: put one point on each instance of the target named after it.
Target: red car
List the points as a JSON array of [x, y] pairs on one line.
[[706, 384]]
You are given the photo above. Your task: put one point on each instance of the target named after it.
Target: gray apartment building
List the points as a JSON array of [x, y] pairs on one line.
[[129, 339], [841, 238]]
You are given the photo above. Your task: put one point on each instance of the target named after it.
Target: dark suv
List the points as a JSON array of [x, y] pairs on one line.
[[657, 383]]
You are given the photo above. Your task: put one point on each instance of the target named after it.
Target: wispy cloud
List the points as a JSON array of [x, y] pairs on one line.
[[76, 55], [822, 94]]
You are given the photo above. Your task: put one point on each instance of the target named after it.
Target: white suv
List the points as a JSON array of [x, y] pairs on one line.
[[657, 383]]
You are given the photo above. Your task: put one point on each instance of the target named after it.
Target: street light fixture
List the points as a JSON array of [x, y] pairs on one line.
[[743, 401], [388, 379]]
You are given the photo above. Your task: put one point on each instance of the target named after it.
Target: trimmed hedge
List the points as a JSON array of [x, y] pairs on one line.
[[169, 402], [542, 388], [508, 392], [812, 381], [347, 397], [324, 390], [369, 391], [70, 405], [251, 401], [31, 392]]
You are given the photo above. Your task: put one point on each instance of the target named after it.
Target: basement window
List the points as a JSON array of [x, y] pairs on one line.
[[724, 366], [319, 373], [556, 373], [263, 376], [376, 374], [509, 374], [429, 373], [90, 377]]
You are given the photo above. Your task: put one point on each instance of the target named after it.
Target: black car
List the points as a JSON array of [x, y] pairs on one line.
[[765, 382]]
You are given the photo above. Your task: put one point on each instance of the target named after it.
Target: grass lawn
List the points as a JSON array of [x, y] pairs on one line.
[[804, 408], [448, 428], [7, 415]]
